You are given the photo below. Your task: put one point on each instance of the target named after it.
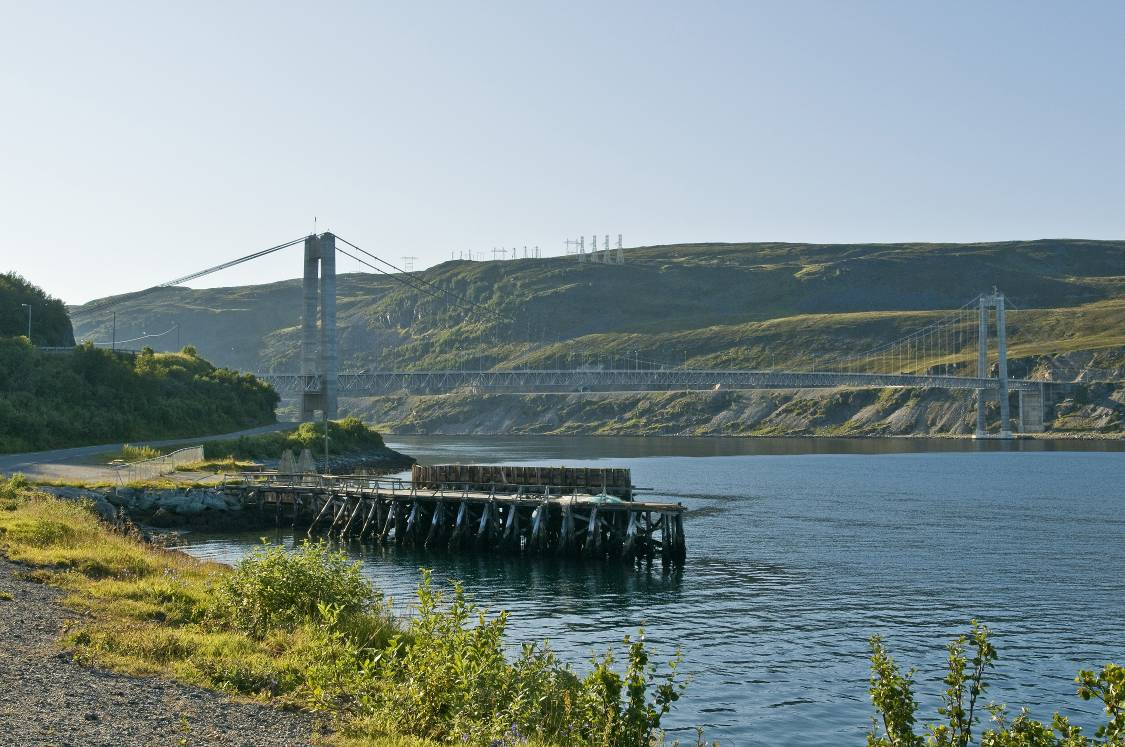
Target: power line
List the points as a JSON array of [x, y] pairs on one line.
[[142, 337]]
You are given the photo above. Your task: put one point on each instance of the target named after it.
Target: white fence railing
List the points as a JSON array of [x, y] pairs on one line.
[[157, 466]]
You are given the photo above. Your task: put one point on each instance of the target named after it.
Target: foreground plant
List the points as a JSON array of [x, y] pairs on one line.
[[445, 677], [970, 657]]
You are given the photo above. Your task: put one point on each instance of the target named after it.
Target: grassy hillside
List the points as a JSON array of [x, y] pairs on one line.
[[93, 396], [50, 324], [709, 304]]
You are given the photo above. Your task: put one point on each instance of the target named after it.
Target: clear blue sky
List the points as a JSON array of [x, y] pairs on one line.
[[143, 141]]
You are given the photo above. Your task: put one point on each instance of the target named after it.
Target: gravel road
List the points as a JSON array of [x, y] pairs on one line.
[[48, 699]]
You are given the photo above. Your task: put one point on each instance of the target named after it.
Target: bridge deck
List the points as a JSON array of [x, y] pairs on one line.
[[672, 379]]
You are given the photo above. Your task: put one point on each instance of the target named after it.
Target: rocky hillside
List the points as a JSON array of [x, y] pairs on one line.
[[1092, 410]]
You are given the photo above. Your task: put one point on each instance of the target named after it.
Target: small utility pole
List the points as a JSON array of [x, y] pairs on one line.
[[325, 441], [113, 340], [28, 307]]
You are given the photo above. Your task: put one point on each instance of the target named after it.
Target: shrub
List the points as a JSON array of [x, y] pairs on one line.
[[12, 491], [345, 436], [132, 453], [447, 678], [277, 589], [970, 657]]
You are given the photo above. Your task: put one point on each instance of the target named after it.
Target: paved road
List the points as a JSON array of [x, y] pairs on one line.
[[67, 464]]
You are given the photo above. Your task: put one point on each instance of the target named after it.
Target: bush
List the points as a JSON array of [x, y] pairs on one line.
[[132, 453], [347, 436], [447, 678], [970, 657], [274, 589], [12, 491]]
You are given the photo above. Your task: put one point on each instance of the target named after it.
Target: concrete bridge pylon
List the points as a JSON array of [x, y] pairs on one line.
[[319, 358], [988, 302]]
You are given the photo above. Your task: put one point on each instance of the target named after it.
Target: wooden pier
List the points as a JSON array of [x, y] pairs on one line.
[[557, 520]]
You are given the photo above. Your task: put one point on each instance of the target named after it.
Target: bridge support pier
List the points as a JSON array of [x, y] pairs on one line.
[[318, 352], [982, 365], [1033, 406]]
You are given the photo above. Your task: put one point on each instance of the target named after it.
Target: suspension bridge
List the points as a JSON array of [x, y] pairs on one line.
[[953, 353]]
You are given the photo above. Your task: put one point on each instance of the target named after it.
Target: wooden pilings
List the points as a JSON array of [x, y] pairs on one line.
[[580, 526]]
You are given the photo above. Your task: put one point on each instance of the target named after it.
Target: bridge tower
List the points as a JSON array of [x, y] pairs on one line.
[[318, 345], [995, 300]]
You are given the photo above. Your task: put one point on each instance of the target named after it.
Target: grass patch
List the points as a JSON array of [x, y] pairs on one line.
[[305, 629], [132, 453], [223, 464]]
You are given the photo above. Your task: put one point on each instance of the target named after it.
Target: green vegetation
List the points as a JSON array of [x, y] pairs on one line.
[[92, 396], [971, 656], [347, 436], [132, 453], [304, 629], [276, 590], [50, 324]]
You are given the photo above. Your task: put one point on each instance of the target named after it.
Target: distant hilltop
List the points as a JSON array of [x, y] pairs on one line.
[[706, 304]]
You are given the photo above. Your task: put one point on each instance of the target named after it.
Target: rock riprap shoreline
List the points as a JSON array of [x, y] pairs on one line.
[[195, 507]]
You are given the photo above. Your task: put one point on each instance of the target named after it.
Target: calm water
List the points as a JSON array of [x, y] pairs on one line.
[[799, 550]]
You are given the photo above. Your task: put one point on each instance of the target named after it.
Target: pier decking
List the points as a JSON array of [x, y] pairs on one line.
[[558, 520]]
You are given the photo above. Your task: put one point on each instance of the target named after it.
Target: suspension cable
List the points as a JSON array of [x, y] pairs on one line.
[[421, 279], [186, 278]]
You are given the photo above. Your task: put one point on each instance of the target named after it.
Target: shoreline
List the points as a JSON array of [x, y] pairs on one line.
[[1051, 436]]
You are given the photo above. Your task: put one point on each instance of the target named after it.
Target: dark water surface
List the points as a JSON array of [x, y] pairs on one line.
[[800, 549]]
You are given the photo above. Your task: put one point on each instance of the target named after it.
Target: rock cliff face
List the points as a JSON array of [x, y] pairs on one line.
[[1094, 409]]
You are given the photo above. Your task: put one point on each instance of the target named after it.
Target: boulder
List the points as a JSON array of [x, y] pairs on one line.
[[180, 503], [105, 510], [215, 502], [143, 501]]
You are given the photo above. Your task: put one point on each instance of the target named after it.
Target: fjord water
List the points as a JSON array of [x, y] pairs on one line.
[[799, 550]]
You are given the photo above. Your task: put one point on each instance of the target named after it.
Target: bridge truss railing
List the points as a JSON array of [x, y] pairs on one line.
[[531, 380]]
